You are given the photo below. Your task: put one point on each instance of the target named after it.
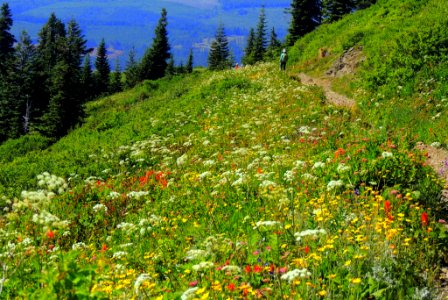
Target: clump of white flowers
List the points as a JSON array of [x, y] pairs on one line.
[[386, 154], [309, 232], [100, 208], [334, 184], [52, 183], [291, 275], [189, 294], [203, 266], [196, 254], [266, 224]]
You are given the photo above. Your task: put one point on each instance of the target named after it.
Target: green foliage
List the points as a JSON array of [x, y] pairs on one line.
[[154, 61], [102, 72], [219, 57], [305, 17]]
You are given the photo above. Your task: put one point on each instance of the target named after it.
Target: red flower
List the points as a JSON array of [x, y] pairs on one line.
[[339, 152], [193, 283], [104, 247], [231, 287], [307, 249], [387, 206], [425, 220], [257, 269], [50, 234], [247, 269]]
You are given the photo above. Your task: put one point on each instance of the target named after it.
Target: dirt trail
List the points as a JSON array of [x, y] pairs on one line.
[[325, 84]]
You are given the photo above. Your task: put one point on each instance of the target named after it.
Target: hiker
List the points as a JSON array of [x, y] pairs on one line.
[[283, 60]]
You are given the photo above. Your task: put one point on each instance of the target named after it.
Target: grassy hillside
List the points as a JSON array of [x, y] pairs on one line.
[[236, 184]]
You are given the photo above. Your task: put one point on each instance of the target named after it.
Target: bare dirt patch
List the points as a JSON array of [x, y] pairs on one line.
[[347, 63], [325, 84]]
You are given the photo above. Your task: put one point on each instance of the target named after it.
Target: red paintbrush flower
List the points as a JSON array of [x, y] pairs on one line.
[[425, 220]]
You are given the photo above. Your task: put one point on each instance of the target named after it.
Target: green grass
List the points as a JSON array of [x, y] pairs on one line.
[[233, 184]]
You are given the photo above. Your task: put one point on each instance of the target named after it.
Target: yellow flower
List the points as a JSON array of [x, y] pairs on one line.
[[287, 226], [347, 263], [200, 291], [332, 276], [356, 280], [322, 293]]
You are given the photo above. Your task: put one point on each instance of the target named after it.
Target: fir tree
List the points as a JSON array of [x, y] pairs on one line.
[[87, 78], [132, 70], [154, 61], [305, 17], [50, 44], [7, 40], [260, 41], [274, 43], [116, 85], [102, 80], [170, 70], [334, 10], [248, 58], [189, 66], [219, 55]]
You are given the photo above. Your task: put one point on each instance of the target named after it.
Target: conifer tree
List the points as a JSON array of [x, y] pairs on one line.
[[305, 17], [362, 4], [248, 58], [116, 85], [260, 42], [50, 44], [7, 39], [154, 61], [170, 70], [25, 70], [333, 10], [102, 80], [274, 43], [219, 55], [189, 66], [87, 78], [132, 70]]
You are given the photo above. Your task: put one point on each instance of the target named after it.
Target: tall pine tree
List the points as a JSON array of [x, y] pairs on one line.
[[87, 81], [260, 42], [189, 66], [154, 61], [7, 39], [219, 56], [248, 58], [305, 17], [102, 72], [333, 10], [131, 70]]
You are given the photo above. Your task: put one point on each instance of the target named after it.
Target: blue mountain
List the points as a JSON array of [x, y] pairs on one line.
[[124, 24]]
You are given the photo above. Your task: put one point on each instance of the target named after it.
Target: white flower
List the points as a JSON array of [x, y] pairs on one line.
[[99, 207], [267, 183], [436, 145], [203, 266], [78, 246], [334, 184], [291, 275], [312, 232], [308, 176], [266, 224], [304, 130], [318, 165], [386, 154], [119, 254], [114, 195], [288, 176], [182, 160], [137, 195], [342, 168], [189, 294], [138, 282], [231, 269], [195, 254], [205, 175]]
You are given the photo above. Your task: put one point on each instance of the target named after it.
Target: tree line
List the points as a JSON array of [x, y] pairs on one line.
[[44, 86], [306, 15]]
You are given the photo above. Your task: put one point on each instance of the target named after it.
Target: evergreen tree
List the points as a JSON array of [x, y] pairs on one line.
[[333, 10], [116, 85], [189, 66], [7, 40], [87, 78], [51, 43], [25, 70], [132, 70], [248, 58], [219, 55], [102, 80], [260, 42], [154, 62], [274, 43], [170, 69], [76, 97], [305, 17], [362, 4]]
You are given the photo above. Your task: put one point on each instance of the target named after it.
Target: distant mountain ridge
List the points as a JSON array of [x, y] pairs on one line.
[[123, 24]]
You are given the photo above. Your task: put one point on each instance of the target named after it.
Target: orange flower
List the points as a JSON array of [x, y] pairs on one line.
[[50, 234]]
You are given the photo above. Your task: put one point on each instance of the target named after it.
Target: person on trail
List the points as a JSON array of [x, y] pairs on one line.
[[283, 60]]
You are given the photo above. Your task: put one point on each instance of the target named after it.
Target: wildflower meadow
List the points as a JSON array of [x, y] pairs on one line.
[[260, 190]]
